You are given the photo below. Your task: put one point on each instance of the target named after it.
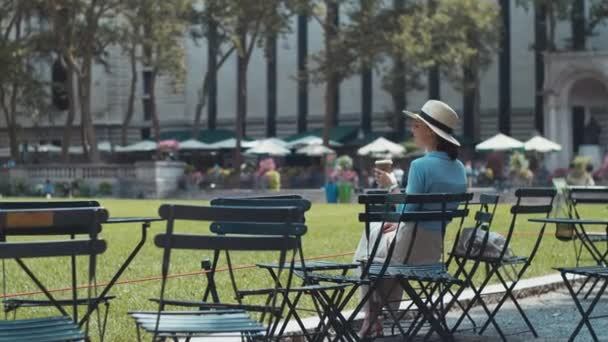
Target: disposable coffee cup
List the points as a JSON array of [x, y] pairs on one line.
[[384, 164]]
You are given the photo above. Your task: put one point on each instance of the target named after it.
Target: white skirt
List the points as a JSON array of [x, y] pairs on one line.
[[426, 249]]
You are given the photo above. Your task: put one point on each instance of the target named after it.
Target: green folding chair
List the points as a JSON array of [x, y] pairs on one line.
[[43, 222], [265, 229]]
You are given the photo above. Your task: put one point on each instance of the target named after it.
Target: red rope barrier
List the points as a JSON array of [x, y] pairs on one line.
[[142, 280]]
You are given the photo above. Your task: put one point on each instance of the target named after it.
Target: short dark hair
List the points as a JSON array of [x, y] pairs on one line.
[[447, 147]]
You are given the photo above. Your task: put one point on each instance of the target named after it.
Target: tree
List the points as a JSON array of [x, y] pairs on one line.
[[248, 24], [21, 89], [81, 32], [163, 50], [409, 49], [469, 36], [331, 65], [130, 39], [365, 41], [573, 10], [219, 50]]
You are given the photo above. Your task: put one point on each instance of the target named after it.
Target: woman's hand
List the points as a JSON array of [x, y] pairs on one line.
[[389, 227], [383, 178]]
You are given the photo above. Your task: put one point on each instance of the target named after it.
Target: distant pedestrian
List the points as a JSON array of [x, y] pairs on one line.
[[48, 189]]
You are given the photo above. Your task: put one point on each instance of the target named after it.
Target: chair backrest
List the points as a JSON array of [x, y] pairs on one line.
[[260, 227], [66, 229], [444, 215], [577, 195], [286, 201], [38, 221], [48, 204], [267, 197], [241, 228], [487, 204], [530, 201], [49, 221]]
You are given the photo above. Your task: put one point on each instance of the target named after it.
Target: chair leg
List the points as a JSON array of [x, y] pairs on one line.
[[516, 303], [584, 313], [339, 324], [591, 288], [427, 313], [583, 285], [293, 312], [477, 296], [384, 301], [508, 294]]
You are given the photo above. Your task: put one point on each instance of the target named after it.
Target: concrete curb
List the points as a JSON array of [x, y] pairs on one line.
[[525, 288]]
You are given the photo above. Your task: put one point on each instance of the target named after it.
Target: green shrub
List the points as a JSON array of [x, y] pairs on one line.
[[5, 188], [105, 189], [21, 187], [81, 189]]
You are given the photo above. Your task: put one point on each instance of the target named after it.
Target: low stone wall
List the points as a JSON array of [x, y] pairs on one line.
[[154, 179]]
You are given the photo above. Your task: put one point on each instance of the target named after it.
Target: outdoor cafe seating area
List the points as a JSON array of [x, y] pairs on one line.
[[272, 228]]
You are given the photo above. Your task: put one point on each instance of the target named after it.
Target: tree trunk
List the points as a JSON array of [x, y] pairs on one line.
[[504, 70], [331, 87], [398, 94], [552, 25], [468, 91], [241, 102], [577, 18], [13, 142], [154, 112], [196, 125], [69, 121], [87, 118], [131, 103], [540, 46], [433, 74]]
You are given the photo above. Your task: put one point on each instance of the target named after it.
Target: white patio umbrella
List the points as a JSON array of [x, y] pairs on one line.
[[231, 143], [44, 148], [381, 147], [315, 150], [268, 147], [142, 146], [5, 152], [103, 146], [277, 141], [499, 142], [541, 144], [310, 140], [193, 144]]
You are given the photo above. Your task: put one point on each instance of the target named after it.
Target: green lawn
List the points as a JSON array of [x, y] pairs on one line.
[[332, 229]]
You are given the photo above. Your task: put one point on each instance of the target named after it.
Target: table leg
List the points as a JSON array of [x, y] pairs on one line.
[[123, 267]]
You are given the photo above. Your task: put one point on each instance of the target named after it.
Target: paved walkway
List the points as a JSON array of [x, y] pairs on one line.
[[553, 314]]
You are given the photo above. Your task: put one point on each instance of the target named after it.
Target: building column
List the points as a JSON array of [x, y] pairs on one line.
[[271, 86], [366, 100], [212, 70], [504, 71], [540, 46], [302, 73]]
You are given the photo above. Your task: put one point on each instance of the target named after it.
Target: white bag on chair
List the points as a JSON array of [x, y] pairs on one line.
[[493, 248]]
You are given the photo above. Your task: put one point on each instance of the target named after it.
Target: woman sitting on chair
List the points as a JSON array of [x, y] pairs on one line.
[[438, 171]]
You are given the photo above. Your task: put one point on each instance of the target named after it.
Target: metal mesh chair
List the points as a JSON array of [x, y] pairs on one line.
[[600, 273], [373, 273], [275, 234], [527, 204], [84, 221], [13, 304]]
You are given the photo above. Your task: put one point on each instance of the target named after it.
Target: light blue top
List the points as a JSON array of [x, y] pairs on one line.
[[435, 172]]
